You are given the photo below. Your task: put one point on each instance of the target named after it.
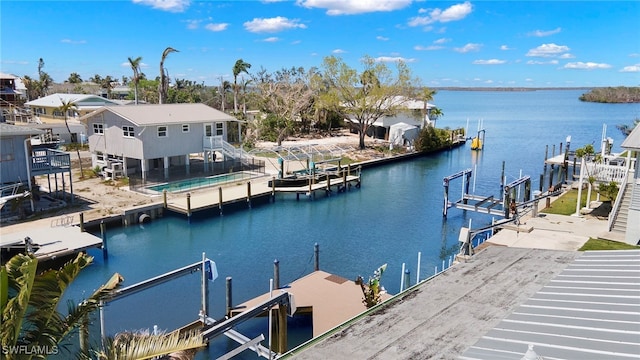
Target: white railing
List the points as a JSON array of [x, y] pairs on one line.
[[217, 142], [615, 209], [606, 173]]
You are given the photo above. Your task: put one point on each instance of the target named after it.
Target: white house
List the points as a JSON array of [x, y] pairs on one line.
[[126, 140], [632, 144], [46, 108]]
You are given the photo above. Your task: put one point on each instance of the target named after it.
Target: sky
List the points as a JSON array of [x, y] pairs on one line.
[[445, 43]]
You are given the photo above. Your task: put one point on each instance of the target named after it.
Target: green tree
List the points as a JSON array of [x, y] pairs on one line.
[[45, 80], [163, 86], [372, 289], [425, 96], [135, 66], [367, 96], [66, 108], [239, 67], [30, 301], [74, 78]]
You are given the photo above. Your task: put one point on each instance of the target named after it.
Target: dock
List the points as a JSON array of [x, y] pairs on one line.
[[330, 299], [51, 243], [218, 198]]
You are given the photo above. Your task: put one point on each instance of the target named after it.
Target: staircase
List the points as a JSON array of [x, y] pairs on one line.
[[12, 113], [216, 143], [628, 198]]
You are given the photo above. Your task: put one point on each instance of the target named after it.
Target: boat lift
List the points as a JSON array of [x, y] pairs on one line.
[[484, 204], [211, 328]]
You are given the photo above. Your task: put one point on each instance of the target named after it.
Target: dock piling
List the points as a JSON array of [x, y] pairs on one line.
[[228, 296], [273, 188], [407, 278], [220, 200], [249, 194], [402, 277], [103, 235], [81, 222], [316, 257], [418, 268], [189, 206], [276, 274], [164, 198]]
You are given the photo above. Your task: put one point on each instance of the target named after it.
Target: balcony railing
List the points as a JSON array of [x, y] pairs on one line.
[[47, 161]]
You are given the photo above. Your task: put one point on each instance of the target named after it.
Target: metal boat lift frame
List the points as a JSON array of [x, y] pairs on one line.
[[306, 155]]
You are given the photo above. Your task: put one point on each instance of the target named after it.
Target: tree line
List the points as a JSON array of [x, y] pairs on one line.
[[620, 94]]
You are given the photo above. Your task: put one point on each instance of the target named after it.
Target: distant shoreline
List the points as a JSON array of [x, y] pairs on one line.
[[509, 88]]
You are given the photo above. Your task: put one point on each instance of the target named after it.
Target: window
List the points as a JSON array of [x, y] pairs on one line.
[[99, 156], [57, 113], [162, 131], [127, 131], [208, 130], [219, 129], [185, 128], [98, 129]]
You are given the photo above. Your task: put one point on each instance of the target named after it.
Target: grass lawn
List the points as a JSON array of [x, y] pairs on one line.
[[566, 203], [601, 244]]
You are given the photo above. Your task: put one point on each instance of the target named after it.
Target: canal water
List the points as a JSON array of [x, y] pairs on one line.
[[394, 215]]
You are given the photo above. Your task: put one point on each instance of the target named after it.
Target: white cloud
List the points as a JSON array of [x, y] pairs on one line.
[[631, 68], [338, 51], [127, 64], [382, 38], [452, 13], [271, 39], [217, 27], [296, 42], [536, 62], [634, 55], [394, 59], [75, 42], [548, 50], [469, 47], [441, 41], [350, 7], [275, 24], [193, 24], [489, 62], [566, 56], [505, 47], [586, 65], [529, 80], [166, 5], [542, 33], [428, 48]]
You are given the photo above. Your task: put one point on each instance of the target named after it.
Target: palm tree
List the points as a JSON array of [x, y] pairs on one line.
[[239, 67], [66, 107], [142, 345], [164, 82], [74, 78], [426, 95], [135, 66], [435, 114], [30, 301]]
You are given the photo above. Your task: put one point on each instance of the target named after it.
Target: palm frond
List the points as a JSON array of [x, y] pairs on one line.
[[142, 346], [21, 273]]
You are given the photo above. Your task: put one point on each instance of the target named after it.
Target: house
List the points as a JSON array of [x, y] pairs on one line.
[[411, 113], [632, 145], [21, 161], [45, 109], [11, 99], [141, 139]]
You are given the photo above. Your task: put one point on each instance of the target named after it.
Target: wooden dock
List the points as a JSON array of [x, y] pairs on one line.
[[330, 299], [218, 198], [53, 242]]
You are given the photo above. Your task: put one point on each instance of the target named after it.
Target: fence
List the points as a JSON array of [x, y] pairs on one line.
[[198, 170]]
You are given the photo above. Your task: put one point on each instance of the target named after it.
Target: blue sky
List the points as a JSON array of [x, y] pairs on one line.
[[459, 43]]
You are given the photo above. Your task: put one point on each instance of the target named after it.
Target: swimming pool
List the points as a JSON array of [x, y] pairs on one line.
[[196, 183]]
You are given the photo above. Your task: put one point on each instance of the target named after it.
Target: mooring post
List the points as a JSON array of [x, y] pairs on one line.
[[553, 150], [407, 278], [189, 206], [574, 166], [402, 277], [328, 184], [205, 289], [316, 257], [164, 198], [445, 183], [507, 202], [276, 274], [249, 193], [103, 235], [81, 222], [418, 268], [273, 188], [349, 170], [502, 177], [282, 329], [546, 156], [310, 186], [281, 172], [541, 183], [527, 190], [220, 199], [467, 181], [228, 296]]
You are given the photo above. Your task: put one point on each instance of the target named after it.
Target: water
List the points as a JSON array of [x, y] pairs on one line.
[[183, 185], [396, 214]]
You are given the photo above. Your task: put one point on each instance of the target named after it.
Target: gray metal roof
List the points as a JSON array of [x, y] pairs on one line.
[[155, 114], [632, 142], [591, 310], [11, 130]]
